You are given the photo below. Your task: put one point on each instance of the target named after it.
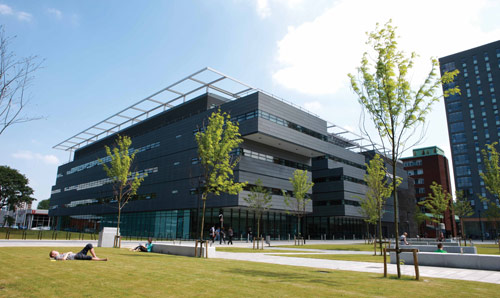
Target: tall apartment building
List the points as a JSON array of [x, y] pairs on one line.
[[278, 139], [473, 122], [428, 165]]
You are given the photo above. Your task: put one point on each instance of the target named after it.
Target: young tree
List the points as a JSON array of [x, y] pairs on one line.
[[8, 221], [14, 189], [379, 190], [420, 217], [15, 77], [462, 209], [397, 111], [125, 183], [259, 200], [44, 204], [215, 144], [368, 212], [437, 202], [298, 203], [491, 178]]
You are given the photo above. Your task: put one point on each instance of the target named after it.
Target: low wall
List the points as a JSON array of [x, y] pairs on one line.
[[181, 250], [452, 260], [450, 249]]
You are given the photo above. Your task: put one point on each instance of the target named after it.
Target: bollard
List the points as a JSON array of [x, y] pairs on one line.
[[288, 237], [353, 237]]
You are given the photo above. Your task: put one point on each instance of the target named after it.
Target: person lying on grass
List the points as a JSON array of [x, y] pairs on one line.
[[82, 255], [144, 248]]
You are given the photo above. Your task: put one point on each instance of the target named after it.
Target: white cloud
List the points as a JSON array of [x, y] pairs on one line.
[[315, 57], [24, 16], [5, 9], [28, 155], [264, 8], [21, 15], [55, 12]]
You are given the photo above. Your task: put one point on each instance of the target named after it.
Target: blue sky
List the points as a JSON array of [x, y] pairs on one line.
[[102, 56]]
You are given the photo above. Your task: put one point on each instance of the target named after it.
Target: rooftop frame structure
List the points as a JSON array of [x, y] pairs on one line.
[[203, 81]]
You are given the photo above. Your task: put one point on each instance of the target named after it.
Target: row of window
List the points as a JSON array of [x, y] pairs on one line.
[[280, 121], [107, 200], [341, 160], [106, 159], [339, 178], [104, 181], [412, 163], [336, 203], [273, 159], [416, 172]]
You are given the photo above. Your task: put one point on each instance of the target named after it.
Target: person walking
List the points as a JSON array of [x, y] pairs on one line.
[[222, 236], [230, 234]]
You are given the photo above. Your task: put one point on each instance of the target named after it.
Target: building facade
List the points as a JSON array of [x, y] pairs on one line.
[[473, 122], [428, 165], [278, 139]]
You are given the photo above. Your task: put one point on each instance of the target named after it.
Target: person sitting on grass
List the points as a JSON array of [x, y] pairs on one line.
[[82, 255], [145, 248], [440, 248]]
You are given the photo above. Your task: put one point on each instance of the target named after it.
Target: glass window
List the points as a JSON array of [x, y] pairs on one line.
[[456, 127], [458, 138]]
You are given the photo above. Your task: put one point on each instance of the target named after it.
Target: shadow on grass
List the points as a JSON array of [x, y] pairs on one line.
[[289, 277]]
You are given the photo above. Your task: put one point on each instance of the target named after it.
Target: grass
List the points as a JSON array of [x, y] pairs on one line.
[[249, 250], [31, 274], [353, 247], [357, 258], [487, 249]]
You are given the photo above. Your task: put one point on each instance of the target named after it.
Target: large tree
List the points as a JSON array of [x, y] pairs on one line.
[[462, 208], [125, 182], [259, 200], [44, 204], [384, 90], [378, 191], [297, 203], [16, 74], [491, 178], [215, 143], [437, 202], [14, 189]]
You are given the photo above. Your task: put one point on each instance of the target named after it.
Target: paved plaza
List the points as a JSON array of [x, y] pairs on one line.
[[267, 257]]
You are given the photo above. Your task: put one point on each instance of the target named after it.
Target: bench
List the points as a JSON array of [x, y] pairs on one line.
[[450, 249], [181, 250], [452, 260]]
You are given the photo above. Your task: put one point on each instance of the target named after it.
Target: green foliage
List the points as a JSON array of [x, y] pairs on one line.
[[14, 189], [44, 204], [383, 87], [462, 208], [298, 203], [9, 220], [437, 202], [379, 189], [125, 183], [491, 178], [215, 144], [420, 216], [259, 200]]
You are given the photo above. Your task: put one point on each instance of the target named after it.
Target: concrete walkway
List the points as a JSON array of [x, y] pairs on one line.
[[266, 257]]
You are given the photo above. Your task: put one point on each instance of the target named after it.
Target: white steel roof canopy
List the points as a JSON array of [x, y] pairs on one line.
[[201, 82]]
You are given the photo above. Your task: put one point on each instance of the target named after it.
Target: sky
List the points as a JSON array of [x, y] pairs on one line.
[[102, 56]]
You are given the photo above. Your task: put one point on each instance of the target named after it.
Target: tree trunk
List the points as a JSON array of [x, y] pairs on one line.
[[298, 226], [119, 213], [463, 230], [204, 199], [396, 211], [380, 230], [258, 230]]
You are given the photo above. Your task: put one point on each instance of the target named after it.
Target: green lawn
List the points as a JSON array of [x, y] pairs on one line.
[[27, 272], [487, 249], [353, 247], [250, 250], [358, 258]]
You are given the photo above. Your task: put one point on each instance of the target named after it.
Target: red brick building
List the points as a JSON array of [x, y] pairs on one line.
[[426, 166]]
